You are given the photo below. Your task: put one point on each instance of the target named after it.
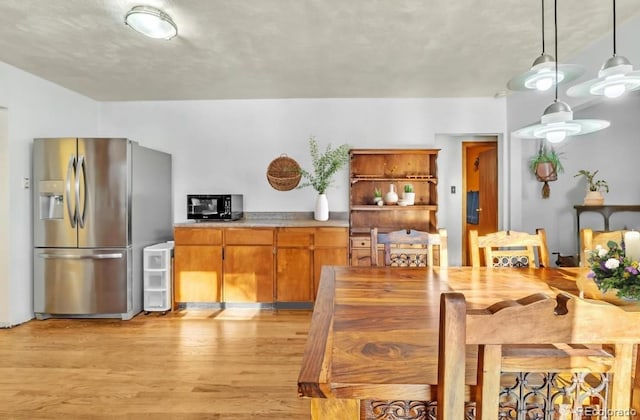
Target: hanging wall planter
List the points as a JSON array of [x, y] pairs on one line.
[[545, 166]]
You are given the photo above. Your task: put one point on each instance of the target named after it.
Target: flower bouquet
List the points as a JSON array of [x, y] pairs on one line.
[[612, 270]]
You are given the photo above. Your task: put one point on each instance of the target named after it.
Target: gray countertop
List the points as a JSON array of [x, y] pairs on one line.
[[275, 219]]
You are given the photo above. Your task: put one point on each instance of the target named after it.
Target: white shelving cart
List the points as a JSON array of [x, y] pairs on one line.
[[158, 277]]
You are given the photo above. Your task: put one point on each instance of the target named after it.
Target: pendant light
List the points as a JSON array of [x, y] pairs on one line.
[[615, 78], [557, 121], [151, 22], [541, 75]]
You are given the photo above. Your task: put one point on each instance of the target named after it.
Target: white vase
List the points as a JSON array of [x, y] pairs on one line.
[[391, 197], [322, 208]]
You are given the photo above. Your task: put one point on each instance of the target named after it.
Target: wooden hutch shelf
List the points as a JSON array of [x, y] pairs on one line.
[[372, 169]]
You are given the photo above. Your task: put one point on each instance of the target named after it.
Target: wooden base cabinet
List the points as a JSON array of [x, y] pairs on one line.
[[261, 265], [248, 265], [197, 265], [301, 253]]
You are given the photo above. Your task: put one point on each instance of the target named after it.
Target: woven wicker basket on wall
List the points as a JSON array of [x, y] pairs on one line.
[[283, 173]]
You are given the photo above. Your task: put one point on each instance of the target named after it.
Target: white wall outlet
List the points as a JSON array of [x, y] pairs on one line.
[[26, 183]]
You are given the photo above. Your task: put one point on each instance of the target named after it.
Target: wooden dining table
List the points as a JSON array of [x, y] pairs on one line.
[[374, 330]]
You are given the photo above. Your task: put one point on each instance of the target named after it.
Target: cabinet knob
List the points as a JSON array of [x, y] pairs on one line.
[[478, 210]]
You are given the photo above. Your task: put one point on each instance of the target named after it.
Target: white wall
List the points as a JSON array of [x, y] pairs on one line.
[[4, 218], [614, 151], [226, 146], [35, 108]]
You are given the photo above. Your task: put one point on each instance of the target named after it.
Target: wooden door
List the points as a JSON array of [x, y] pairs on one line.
[[480, 175], [488, 209]]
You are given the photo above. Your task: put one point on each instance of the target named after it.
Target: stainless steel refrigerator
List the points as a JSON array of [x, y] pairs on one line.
[[97, 202]]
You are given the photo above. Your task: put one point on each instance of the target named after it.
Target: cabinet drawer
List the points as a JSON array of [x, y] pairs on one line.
[[331, 237], [197, 236], [248, 236], [295, 237], [361, 242]]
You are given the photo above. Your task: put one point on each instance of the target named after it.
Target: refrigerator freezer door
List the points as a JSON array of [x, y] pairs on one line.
[[54, 162], [80, 282], [104, 193]]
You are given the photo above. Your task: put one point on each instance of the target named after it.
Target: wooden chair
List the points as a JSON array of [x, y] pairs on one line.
[[504, 333], [410, 248], [590, 238], [509, 249]]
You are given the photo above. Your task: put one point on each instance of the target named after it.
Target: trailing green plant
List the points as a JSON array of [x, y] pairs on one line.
[[592, 183], [546, 165], [546, 154], [408, 188], [325, 165]]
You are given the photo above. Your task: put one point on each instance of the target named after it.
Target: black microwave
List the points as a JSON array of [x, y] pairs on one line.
[[206, 207]]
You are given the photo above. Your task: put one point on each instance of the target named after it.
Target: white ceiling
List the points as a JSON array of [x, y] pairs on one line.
[[229, 49]]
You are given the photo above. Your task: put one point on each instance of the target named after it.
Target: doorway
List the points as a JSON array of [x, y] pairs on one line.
[[480, 184]]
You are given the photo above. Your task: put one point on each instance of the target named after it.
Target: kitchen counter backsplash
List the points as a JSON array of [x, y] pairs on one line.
[[276, 219]]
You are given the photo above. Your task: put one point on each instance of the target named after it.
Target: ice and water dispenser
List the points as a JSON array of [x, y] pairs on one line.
[[51, 199]]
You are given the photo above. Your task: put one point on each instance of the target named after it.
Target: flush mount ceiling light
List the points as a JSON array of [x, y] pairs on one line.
[[615, 78], [151, 22], [557, 121], [541, 76]]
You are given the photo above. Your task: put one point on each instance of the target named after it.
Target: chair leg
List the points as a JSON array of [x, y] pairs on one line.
[[620, 402], [451, 357], [488, 386]]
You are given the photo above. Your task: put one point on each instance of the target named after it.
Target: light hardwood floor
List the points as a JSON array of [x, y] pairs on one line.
[[234, 364]]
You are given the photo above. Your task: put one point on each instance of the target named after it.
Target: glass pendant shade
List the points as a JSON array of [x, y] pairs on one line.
[[151, 22], [557, 123], [615, 78], [542, 75]]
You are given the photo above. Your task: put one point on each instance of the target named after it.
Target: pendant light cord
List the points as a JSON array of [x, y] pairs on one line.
[[614, 28], [543, 27], [555, 40]]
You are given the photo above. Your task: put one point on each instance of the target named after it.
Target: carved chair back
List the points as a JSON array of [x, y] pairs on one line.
[[509, 249], [410, 248], [509, 336]]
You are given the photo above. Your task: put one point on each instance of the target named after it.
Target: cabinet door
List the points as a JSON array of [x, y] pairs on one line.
[[248, 273], [198, 273], [331, 248], [294, 274], [327, 256]]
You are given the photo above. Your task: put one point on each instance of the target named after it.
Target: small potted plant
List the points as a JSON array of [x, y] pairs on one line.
[[595, 188], [377, 196], [546, 166], [408, 195]]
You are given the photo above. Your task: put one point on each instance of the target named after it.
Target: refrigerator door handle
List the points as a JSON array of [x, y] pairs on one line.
[[114, 255], [70, 167], [81, 167]]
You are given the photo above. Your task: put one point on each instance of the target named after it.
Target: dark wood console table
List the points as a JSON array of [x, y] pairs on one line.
[[606, 212]]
